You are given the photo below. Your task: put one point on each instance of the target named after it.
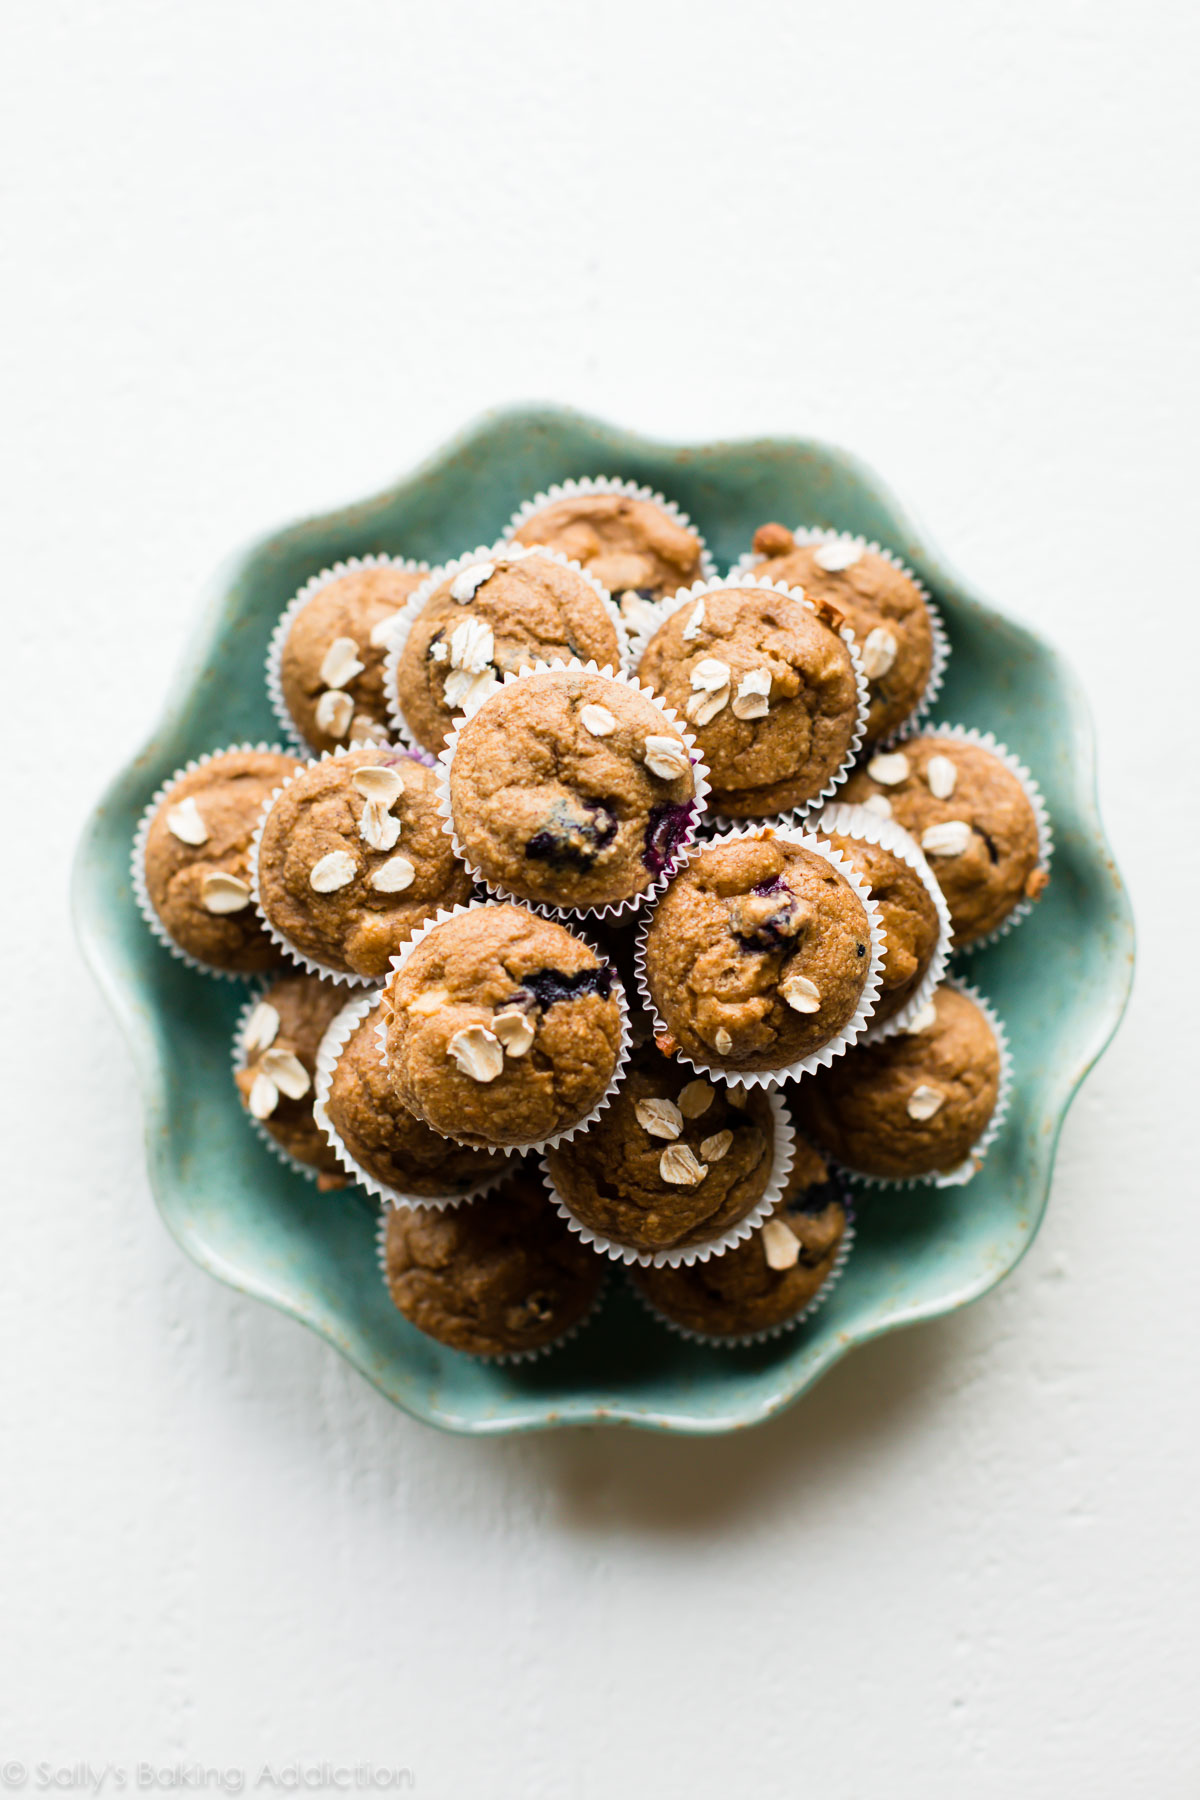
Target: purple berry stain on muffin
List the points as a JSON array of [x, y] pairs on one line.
[[576, 832], [666, 829], [547, 986]]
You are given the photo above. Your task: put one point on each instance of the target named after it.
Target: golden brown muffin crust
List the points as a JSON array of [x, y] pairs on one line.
[[359, 606], [768, 752], [628, 544], [227, 794], [494, 1275], [304, 1006], [906, 912]]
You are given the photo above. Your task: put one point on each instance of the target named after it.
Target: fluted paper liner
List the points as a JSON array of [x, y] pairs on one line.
[[537, 1145], [419, 599], [742, 1340], [346, 977], [610, 484], [973, 1162], [333, 1043], [987, 740], [504, 1356], [672, 724], [258, 1126], [940, 650], [137, 861], [782, 1158], [844, 820], [850, 1033], [353, 565], [687, 597]]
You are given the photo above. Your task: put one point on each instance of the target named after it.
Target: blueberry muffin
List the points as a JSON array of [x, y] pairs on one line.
[[503, 610], [972, 818], [908, 913], [332, 656], [277, 1067], [768, 687], [196, 859], [772, 1276], [915, 1104], [757, 955], [503, 1028], [353, 858], [674, 1162], [495, 1276], [383, 1137], [641, 550], [883, 605], [572, 790]]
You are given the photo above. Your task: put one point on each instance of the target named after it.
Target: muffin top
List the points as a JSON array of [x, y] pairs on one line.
[[493, 1276], [771, 1276], [387, 1140], [503, 1028], [505, 610], [767, 686], [907, 913], [571, 789], [331, 665], [757, 954], [914, 1104], [971, 817], [353, 858], [278, 1065], [628, 542], [676, 1160], [883, 606], [197, 859]]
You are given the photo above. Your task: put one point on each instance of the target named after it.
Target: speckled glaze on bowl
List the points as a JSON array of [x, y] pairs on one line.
[[1061, 981]]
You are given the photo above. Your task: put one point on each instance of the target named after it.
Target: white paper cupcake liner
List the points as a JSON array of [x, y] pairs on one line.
[[353, 565], [855, 1027], [258, 1126], [687, 597], [610, 484], [419, 599], [986, 740], [503, 1357], [332, 1044], [137, 861], [782, 1157], [743, 1340], [534, 1145], [613, 909], [940, 651], [970, 1166], [860, 822], [344, 976]]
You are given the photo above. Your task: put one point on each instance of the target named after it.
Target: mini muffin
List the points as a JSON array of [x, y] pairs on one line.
[[496, 611], [503, 1028], [758, 954], [495, 1276], [277, 1057], [632, 542], [907, 910], [384, 1138], [771, 1277], [769, 688], [971, 816], [353, 858], [571, 789], [884, 606], [675, 1162], [196, 859], [915, 1104], [332, 655]]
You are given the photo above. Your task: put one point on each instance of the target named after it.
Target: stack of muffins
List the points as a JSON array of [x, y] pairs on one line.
[[602, 909]]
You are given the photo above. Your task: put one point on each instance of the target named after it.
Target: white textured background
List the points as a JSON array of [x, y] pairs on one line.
[[260, 256]]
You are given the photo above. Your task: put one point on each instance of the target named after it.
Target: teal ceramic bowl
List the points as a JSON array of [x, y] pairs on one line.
[[1060, 980]]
